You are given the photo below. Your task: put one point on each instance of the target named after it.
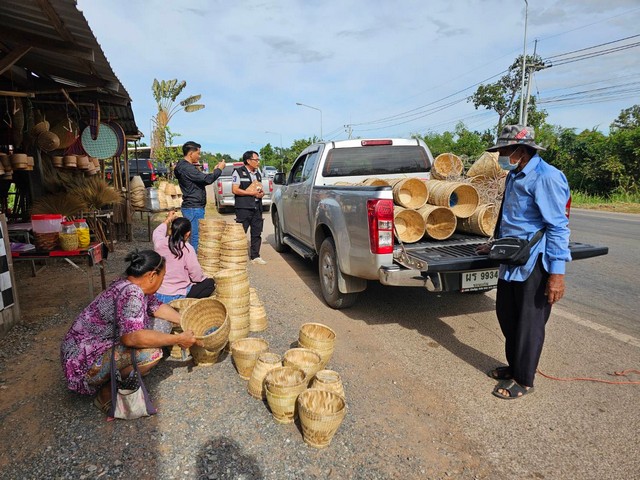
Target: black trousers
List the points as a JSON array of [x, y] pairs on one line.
[[202, 289], [523, 310], [252, 218]]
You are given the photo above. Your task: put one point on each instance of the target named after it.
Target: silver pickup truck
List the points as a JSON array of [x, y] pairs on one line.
[[350, 228], [224, 198]]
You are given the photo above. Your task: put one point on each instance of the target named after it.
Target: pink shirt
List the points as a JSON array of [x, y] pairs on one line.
[[181, 272]]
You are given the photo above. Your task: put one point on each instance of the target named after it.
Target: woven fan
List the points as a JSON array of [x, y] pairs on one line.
[[104, 146]]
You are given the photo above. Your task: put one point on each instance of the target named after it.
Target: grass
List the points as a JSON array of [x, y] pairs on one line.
[[617, 202]]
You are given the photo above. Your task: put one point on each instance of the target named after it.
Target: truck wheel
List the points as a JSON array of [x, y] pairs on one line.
[[279, 246], [220, 209], [328, 270]]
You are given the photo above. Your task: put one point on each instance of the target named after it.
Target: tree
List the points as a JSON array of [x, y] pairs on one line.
[[502, 96], [165, 93], [628, 118], [268, 156]]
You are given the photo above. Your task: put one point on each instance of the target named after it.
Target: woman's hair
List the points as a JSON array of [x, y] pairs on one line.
[[179, 228], [141, 262]]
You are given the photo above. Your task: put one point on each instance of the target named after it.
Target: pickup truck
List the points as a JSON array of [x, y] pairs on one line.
[[350, 228], [224, 198]]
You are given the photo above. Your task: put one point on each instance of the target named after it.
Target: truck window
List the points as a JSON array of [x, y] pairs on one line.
[[309, 166], [296, 170], [378, 160]]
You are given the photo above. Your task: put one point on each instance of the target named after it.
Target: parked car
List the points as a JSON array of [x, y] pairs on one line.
[[269, 171], [161, 169], [141, 166], [224, 198]]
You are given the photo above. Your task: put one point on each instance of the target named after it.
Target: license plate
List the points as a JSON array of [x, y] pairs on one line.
[[479, 280]]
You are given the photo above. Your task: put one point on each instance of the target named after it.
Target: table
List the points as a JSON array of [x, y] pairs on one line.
[[93, 255]]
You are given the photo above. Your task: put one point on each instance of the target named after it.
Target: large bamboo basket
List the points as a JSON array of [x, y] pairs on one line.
[[446, 165], [283, 407], [266, 362], [321, 413], [409, 224], [203, 317], [461, 198], [282, 387], [238, 333], [245, 353], [409, 192], [375, 182], [330, 381], [202, 356], [181, 304], [439, 222], [305, 359], [319, 338], [486, 165], [481, 222]]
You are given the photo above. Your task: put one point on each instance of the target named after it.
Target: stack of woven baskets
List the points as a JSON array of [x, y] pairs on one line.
[[137, 191], [234, 252], [232, 289], [169, 195], [210, 244]]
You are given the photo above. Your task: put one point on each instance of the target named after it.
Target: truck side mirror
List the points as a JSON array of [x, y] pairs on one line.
[[279, 178]]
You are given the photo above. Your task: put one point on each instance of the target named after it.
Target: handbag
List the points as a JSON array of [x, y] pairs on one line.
[[513, 251], [129, 396]]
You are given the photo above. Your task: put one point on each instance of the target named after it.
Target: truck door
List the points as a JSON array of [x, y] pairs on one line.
[[291, 199], [303, 201]]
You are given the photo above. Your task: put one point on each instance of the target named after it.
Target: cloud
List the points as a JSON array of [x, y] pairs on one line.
[[287, 49]]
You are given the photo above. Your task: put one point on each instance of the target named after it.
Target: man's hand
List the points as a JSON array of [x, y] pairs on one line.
[[483, 249], [555, 288], [221, 165]]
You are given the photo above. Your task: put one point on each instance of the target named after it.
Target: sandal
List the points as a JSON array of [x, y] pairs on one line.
[[500, 373], [103, 407], [513, 388]]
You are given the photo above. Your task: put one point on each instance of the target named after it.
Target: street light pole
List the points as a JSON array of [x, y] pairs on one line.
[[524, 57], [281, 151], [315, 108]]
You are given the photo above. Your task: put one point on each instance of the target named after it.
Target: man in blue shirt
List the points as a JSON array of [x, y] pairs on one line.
[[535, 198]]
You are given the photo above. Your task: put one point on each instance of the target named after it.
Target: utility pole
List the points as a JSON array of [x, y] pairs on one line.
[[533, 67], [349, 130], [524, 58]]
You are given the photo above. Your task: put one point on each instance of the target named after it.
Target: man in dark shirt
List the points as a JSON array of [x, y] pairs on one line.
[[192, 183]]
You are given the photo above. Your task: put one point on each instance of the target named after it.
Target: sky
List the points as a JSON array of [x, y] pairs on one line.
[[386, 68]]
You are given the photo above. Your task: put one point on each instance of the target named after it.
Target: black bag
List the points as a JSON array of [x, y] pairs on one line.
[[513, 251]]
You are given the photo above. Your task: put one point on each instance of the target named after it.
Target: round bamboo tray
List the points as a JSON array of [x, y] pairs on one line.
[[439, 222], [245, 353], [481, 222], [409, 224], [321, 414], [266, 362], [446, 165], [305, 359], [461, 198], [203, 317], [319, 338], [410, 192], [328, 380]]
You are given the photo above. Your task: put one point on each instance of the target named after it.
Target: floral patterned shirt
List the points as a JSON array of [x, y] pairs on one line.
[[91, 333]]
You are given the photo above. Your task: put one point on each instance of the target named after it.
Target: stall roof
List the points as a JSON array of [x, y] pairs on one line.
[[49, 54]]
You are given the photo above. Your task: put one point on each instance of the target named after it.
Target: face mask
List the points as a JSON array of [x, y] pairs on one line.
[[505, 162]]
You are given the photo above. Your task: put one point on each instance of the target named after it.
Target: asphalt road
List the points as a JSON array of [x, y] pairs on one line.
[[444, 344]]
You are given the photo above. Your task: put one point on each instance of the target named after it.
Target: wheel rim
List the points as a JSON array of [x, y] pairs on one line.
[[328, 273]]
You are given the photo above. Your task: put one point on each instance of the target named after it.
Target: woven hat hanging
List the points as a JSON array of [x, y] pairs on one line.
[[67, 132], [104, 146]]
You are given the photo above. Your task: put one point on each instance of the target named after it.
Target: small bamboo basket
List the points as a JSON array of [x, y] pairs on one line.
[[321, 414], [409, 224], [410, 192], [209, 321], [245, 353], [461, 198], [328, 380], [282, 387], [266, 362], [305, 359], [319, 338], [439, 222]]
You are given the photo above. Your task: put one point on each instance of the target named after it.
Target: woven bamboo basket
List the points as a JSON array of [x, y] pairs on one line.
[[237, 334], [210, 323], [305, 359], [69, 161], [282, 387], [30, 163], [461, 198], [232, 277], [233, 230], [6, 161], [319, 338], [82, 161], [19, 161], [486, 165], [57, 161], [181, 304], [439, 222], [321, 414], [446, 165], [328, 380], [202, 356], [283, 407], [409, 224], [234, 243], [257, 318], [409, 192], [266, 362], [245, 353], [481, 222], [48, 141], [375, 182]]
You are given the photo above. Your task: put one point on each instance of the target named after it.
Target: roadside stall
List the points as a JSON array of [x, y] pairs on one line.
[[65, 117]]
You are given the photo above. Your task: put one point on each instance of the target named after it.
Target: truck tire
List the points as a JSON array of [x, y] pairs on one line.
[[220, 209], [328, 271], [279, 245]]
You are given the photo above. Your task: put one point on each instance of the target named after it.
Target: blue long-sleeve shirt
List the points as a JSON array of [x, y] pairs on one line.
[[536, 198]]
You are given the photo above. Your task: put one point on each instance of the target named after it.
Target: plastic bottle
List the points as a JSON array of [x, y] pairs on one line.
[[84, 236]]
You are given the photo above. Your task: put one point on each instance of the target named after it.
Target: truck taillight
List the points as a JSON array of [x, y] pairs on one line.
[[380, 215], [270, 186], [154, 177], [567, 208], [220, 187]]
